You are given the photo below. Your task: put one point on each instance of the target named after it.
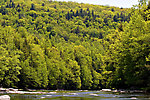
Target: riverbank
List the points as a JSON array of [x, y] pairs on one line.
[[123, 91], [20, 91], [33, 91]]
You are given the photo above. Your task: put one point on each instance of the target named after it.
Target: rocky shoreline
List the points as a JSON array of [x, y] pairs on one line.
[[123, 91], [30, 91], [19, 91]]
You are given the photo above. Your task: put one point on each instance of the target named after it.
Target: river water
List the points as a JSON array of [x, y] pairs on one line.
[[80, 95]]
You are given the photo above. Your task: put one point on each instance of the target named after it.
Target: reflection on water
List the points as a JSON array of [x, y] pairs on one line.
[[80, 95]]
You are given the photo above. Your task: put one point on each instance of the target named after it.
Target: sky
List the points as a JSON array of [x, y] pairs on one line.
[[116, 3]]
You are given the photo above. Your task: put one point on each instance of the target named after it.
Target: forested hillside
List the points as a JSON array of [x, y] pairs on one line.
[[67, 45]]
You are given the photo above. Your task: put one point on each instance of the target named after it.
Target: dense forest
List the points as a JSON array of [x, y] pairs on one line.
[[46, 44]]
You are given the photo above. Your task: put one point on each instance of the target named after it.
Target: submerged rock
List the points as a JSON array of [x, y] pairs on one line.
[[93, 94], [5, 97]]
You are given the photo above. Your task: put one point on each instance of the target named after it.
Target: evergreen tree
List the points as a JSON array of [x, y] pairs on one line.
[[32, 7]]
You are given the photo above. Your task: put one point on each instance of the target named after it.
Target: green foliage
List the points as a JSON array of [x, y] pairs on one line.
[[67, 45], [127, 52]]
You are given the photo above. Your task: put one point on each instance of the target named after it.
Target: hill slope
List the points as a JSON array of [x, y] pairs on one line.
[[67, 45]]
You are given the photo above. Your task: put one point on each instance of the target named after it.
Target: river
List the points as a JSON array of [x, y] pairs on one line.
[[80, 95]]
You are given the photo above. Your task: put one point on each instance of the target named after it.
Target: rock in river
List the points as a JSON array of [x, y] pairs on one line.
[[5, 97]]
